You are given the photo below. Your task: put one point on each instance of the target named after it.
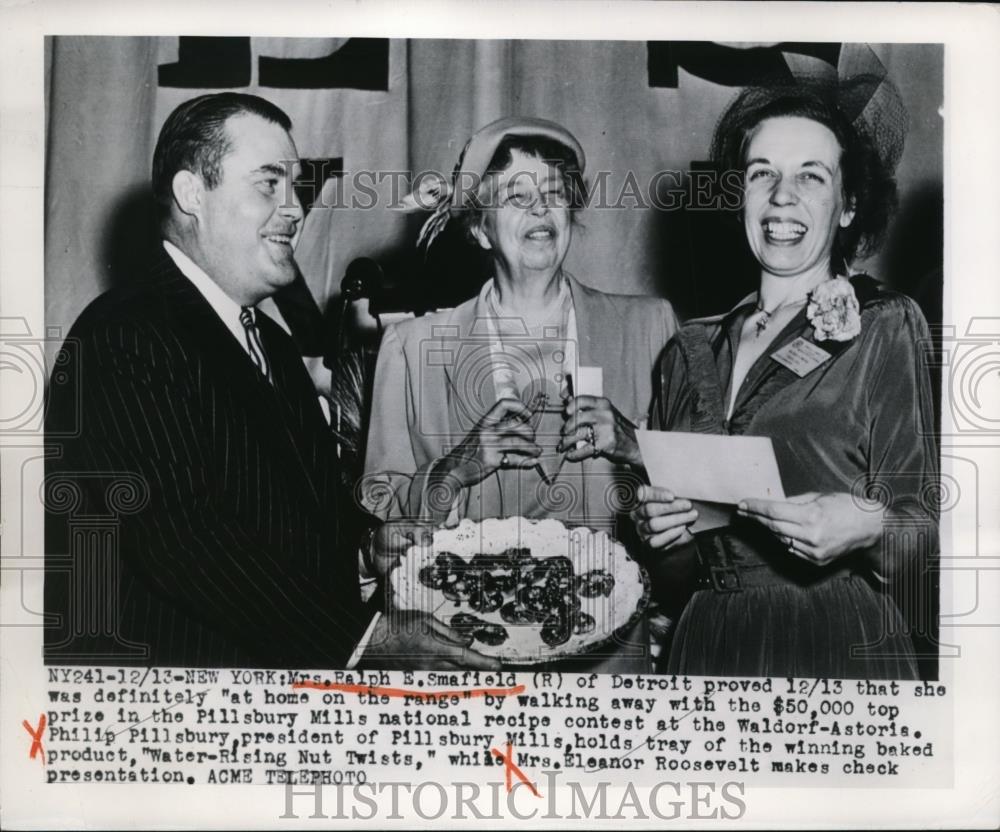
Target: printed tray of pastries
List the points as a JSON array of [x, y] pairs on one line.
[[527, 591]]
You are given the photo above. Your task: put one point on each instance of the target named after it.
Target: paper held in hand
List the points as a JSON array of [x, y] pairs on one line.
[[714, 472], [588, 381]]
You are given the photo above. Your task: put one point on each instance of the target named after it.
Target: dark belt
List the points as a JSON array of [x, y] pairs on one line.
[[731, 563]]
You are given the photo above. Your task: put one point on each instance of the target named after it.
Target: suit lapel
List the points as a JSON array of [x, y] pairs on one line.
[[295, 401], [277, 412], [194, 314]]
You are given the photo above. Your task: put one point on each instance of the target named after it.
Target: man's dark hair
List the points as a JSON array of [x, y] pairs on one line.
[[194, 138]]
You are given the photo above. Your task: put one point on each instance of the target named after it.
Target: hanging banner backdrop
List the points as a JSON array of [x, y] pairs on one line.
[[370, 114]]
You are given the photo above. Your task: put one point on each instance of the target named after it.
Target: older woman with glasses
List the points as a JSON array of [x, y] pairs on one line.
[[480, 411]]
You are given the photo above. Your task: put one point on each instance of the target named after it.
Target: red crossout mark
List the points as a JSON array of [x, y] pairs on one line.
[[510, 767], [36, 737]]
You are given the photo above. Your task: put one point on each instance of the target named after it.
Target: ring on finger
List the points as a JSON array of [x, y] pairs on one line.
[[591, 437], [504, 460]]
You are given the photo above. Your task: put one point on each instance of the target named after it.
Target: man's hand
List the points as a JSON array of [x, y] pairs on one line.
[[392, 539], [417, 641], [819, 528]]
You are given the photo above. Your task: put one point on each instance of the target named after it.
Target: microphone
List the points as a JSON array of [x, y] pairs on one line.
[[363, 279]]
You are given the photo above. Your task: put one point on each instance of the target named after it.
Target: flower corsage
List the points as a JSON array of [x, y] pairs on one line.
[[834, 311]]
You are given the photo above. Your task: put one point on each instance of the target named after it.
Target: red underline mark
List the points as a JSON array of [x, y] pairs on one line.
[[510, 767], [36, 737], [464, 693]]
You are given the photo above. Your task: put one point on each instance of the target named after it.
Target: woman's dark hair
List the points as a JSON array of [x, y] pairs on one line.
[[194, 138], [552, 152], [867, 160]]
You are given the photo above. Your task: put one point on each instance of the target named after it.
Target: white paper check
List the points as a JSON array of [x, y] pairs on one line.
[[714, 471]]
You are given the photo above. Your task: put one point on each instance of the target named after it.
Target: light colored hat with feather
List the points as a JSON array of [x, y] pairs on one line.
[[447, 199]]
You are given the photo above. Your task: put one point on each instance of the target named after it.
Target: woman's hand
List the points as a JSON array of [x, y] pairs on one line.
[[819, 528], [596, 422], [503, 438], [662, 519]]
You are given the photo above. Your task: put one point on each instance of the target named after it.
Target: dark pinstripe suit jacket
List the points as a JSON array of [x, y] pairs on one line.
[[192, 507]]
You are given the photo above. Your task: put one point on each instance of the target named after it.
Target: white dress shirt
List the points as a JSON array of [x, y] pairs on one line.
[[225, 307]]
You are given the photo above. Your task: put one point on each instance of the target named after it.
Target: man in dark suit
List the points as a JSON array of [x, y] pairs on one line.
[[183, 426]]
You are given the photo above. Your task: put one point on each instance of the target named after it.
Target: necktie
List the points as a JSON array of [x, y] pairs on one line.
[[254, 344]]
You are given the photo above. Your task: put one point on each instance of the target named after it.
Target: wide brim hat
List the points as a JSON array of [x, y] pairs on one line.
[[859, 86], [446, 199]]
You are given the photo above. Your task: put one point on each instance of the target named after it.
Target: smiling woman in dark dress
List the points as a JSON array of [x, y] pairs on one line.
[[795, 587]]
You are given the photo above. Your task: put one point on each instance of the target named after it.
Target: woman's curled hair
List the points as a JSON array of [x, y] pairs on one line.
[[869, 149]]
